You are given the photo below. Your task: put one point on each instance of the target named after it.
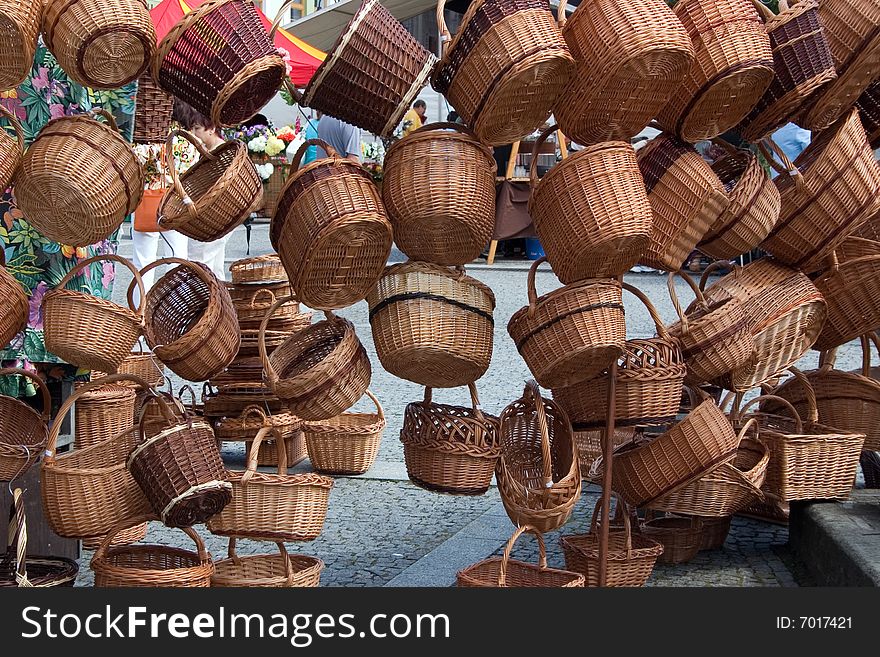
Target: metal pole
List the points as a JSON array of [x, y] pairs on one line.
[[607, 445]]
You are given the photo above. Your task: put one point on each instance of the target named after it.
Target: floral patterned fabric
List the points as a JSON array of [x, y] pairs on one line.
[[38, 263]]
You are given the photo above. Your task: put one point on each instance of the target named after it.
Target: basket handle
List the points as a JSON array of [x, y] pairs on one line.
[[261, 292], [560, 13], [122, 525], [787, 167], [165, 408], [206, 275], [533, 293], [16, 126], [627, 524], [784, 402], [41, 386], [17, 542], [658, 323], [261, 339], [542, 551], [281, 448], [443, 28], [300, 153], [100, 111], [380, 412], [533, 393], [718, 264], [475, 399], [254, 411], [670, 284], [288, 570], [812, 405], [192, 393], [188, 203], [866, 340], [533, 165], [115, 258]]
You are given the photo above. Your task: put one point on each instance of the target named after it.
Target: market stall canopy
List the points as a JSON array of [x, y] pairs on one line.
[[304, 59]]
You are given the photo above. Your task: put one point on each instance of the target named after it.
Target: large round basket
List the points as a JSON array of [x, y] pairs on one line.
[[20, 22], [450, 449], [432, 325], [215, 195], [84, 171], [16, 307], [505, 572], [281, 570], [630, 57], [686, 199], [152, 116], [330, 230], [99, 44], [346, 444], [103, 413], [439, 191], [238, 67], [591, 211], [571, 334], [11, 148], [23, 430], [505, 67], [538, 474]]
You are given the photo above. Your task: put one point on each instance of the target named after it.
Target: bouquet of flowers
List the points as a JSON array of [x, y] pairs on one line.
[[152, 157], [374, 157]]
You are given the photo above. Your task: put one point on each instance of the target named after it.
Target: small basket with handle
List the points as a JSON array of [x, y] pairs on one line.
[[23, 431], [280, 570], [681, 537]]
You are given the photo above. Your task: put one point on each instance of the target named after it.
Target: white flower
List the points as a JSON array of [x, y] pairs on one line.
[[265, 170], [258, 144]]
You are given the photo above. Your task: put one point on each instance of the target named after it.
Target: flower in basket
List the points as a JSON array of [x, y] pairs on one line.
[[274, 146], [258, 144], [287, 134], [266, 170]]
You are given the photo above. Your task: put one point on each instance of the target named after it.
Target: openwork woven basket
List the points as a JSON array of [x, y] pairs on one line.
[[16, 307], [20, 22], [23, 431], [280, 570], [11, 148], [347, 443], [432, 325]]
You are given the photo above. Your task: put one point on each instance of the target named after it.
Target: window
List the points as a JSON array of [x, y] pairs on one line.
[[297, 10]]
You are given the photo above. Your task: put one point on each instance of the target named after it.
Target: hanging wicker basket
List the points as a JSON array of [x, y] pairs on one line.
[[153, 109], [591, 211], [630, 57], [505, 572], [20, 22], [571, 334], [16, 306], [589, 446], [439, 191], [84, 171], [538, 475], [215, 195], [346, 444], [450, 449], [23, 431], [432, 325], [277, 507], [103, 413], [281, 570], [12, 148]]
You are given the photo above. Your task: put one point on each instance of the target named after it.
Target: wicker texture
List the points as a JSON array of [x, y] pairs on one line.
[[686, 200], [103, 413], [571, 334], [439, 192], [151, 566], [220, 60], [330, 230], [23, 431], [538, 475], [870, 462], [732, 70], [15, 309], [715, 531], [831, 189], [86, 492], [267, 451], [347, 443], [152, 116], [505, 572], [190, 323], [179, 469], [215, 195], [261, 269], [128, 536], [19, 29], [84, 171], [589, 445], [11, 147], [143, 365], [681, 537], [753, 210], [450, 449], [432, 325], [630, 57], [631, 556], [281, 570], [234, 398], [100, 45], [505, 67], [252, 419], [278, 507], [591, 211], [869, 111]]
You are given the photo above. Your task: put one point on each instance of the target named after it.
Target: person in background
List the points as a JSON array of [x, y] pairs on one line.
[[453, 117], [792, 139], [415, 117], [343, 137], [312, 133]]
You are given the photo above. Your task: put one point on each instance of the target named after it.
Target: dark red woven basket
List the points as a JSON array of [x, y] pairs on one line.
[[869, 110], [152, 117]]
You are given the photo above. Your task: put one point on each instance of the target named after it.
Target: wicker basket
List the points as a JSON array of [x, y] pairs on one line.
[[18, 569], [538, 474], [98, 44], [330, 230], [450, 449], [505, 67], [151, 566], [190, 323], [571, 334], [16, 305], [21, 22], [803, 64], [261, 269], [630, 58], [234, 398], [591, 212], [631, 556], [753, 210], [785, 310], [267, 570], [439, 192], [686, 197], [180, 470], [23, 431], [320, 371], [252, 419], [267, 451], [432, 325], [243, 293], [850, 28], [346, 444], [715, 531], [715, 337], [808, 460], [851, 287], [589, 446], [870, 462], [831, 189], [84, 171], [141, 364], [86, 492], [128, 536], [277, 507], [505, 572], [252, 312], [869, 111], [372, 74], [220, 60], [11, 148], [215, 195], [650, 373], [694, 447], [732, 70], [103, 413], [153, 109], [680, 537]]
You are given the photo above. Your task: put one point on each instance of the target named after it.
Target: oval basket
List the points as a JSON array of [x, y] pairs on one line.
[[11, 148], [16, 306], [23, 431], [281, 570], [261, 269], [21, 22]]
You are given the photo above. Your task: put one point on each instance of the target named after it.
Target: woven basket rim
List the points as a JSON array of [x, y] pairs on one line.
[[643, 546], [461, 277], [302, 566], [565, 290], [170, 40]]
